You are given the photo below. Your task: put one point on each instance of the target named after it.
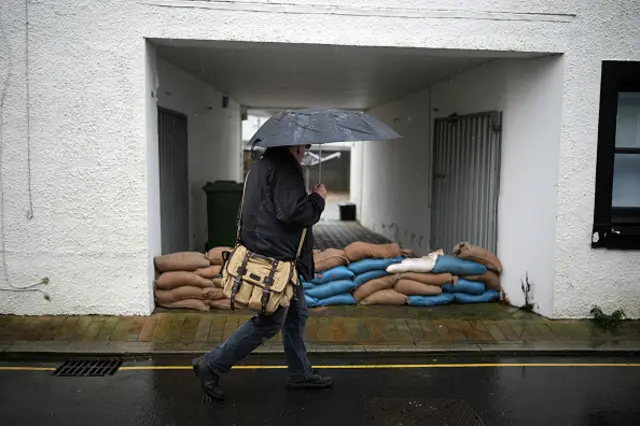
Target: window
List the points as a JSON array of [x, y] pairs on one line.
[[617, 204]]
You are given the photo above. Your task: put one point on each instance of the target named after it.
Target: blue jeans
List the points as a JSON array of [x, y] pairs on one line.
[[261, 328]]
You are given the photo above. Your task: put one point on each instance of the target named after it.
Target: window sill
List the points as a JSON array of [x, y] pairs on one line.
[[616, 238]]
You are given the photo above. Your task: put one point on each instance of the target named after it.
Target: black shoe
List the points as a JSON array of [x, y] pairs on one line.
[[209, 381], [315, 381]]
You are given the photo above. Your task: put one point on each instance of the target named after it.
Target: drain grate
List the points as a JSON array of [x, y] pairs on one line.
[[88, 368]]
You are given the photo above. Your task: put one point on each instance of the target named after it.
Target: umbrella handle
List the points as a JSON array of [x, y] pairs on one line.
[[320, 165]]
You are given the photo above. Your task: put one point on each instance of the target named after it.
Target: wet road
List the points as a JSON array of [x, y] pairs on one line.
[[368, 391]]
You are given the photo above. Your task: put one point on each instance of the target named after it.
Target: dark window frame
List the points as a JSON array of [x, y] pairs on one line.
[[616, 77]]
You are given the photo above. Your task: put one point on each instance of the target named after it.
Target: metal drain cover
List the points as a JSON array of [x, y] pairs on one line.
[[422, 411], [86, 367]]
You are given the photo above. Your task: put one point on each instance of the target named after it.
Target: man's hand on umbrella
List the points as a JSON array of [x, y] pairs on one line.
[[321, 191]]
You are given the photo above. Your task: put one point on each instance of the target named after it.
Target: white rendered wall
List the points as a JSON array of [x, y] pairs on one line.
[[92, 230], [214, 149]]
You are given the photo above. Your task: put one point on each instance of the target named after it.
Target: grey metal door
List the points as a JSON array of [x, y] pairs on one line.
[[466, 181], [174, 181]]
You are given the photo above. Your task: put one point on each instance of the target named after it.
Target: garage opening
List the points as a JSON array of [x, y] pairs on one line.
[[471, 121]]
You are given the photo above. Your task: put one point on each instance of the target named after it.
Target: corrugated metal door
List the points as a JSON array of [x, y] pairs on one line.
[[174, 181], [466, 181]]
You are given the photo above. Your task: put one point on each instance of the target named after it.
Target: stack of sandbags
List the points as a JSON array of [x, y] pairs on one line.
[[330, 287], [491, 277], [187, 280], [335, 282]]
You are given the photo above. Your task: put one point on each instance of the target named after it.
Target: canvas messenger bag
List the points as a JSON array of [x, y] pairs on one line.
[[258, 282]]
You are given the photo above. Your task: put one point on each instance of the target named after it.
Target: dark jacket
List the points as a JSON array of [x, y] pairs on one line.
[[277, 208]]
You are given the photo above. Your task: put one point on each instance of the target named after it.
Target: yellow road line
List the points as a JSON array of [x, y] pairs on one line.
[[393, 366], [356, 366]]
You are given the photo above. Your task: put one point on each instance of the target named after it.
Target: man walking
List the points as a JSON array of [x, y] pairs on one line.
[[276, 210]]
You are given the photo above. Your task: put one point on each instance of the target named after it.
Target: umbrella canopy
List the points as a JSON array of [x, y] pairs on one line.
[[319, 126]]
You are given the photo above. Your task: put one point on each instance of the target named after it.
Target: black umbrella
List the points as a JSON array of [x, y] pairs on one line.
[[320, 126]]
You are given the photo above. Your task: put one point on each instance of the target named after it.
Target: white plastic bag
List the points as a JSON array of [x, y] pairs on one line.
[[421, 264]]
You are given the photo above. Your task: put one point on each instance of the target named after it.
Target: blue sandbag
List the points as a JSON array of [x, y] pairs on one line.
[[440, 299], [338, 299], [308, 286], [331, 289], [465, 286], [312, 302], [338, 273], [456, 266], [368, 276], [487, 296], [366, 265]]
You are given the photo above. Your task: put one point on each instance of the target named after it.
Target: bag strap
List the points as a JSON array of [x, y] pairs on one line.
[[244, 191]]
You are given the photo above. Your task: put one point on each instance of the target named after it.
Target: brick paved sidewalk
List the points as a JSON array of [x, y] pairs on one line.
[[487, 327]]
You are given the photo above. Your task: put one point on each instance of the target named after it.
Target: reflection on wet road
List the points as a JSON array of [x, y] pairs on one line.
[[407, 390]]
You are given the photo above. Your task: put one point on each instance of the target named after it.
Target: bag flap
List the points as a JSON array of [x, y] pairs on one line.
[[258, 269]]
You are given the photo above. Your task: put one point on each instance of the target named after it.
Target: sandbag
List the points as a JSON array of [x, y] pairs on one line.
[[334, 274], [412, 288], [370, 287], [359, 250], [338, 299], [430, 279], [210, 272], [464, 286], [183, 261], [331, 289], [467, 251], [366, 265], [487, 296], [217, 282], [330, 258], [489, 278], [180, 293], [197, 304], [456, 266], [213, 293], [312, 302], [440, 299], [368, 276], [385, 297], [224, 304], [420, 264], [308, 286], [215, 255], [171, 280]]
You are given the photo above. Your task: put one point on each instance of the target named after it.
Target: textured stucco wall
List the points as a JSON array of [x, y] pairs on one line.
[[214, 138], [92, 228]]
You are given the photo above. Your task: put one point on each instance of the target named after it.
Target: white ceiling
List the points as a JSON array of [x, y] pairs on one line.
[[273, 75]]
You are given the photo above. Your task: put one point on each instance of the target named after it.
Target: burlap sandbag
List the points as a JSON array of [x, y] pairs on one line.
[[330, 258], [386, 297], [171, 280], [183, 261], [370, 287], [180, 293], [429, 279], [210, 272], [415, 288], [359, 250], [477, 254], [489, 278], [197, 304], [213, 293], [215, 255], [220, 304], [217, 282]]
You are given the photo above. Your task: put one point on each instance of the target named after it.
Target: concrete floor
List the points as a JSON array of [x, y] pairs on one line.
[[375, 391]]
